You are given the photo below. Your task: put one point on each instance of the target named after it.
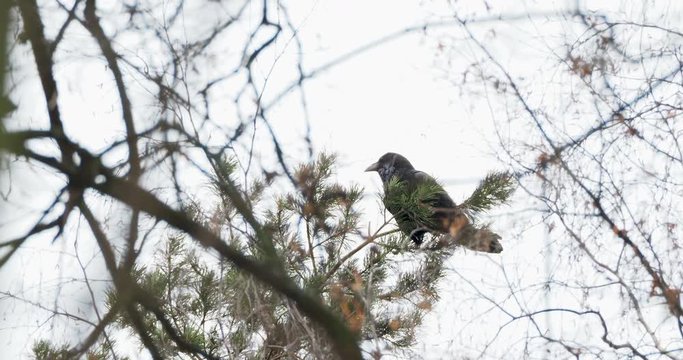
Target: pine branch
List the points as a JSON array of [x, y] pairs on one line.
[[495, 189], [411, 205]]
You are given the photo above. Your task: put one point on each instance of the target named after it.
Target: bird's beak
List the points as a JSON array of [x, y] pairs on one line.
[[373, 167]]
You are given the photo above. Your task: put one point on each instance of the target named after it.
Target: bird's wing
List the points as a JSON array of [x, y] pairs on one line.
[[448, 217], [442, 199]]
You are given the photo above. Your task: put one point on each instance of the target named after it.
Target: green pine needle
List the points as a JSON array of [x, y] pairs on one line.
[[495, 189], [411, 205]]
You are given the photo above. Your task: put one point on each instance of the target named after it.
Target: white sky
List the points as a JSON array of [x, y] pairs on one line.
[[396, 97]]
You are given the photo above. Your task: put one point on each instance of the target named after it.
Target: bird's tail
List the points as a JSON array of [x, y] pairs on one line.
[[461, 231], [481, 239]]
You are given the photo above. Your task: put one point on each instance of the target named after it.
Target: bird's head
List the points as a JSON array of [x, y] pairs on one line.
[[390, 164]]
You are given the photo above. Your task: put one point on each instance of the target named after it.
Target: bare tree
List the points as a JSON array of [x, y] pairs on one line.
[[180, 131], [591, 122]]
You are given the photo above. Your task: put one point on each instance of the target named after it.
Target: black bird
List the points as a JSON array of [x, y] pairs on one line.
[[444, 217]]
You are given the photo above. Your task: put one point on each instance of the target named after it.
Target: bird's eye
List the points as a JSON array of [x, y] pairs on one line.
[[385, 172]]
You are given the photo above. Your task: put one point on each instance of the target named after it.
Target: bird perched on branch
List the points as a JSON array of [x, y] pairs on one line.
[[420, 205]]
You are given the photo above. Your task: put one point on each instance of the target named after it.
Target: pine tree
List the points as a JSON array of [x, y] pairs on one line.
[[378, 283]]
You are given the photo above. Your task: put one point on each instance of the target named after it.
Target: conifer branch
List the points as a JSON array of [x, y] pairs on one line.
[[495, 189]]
